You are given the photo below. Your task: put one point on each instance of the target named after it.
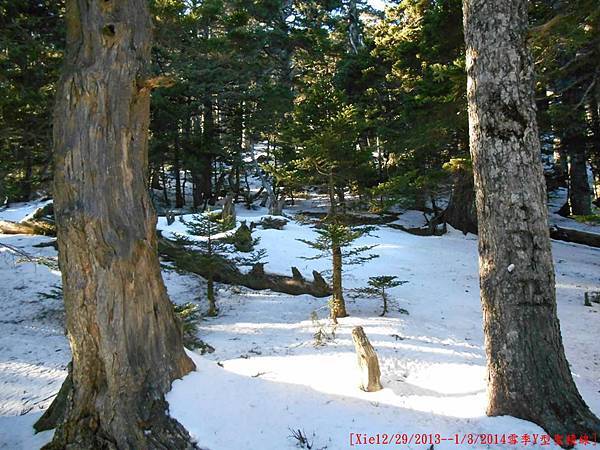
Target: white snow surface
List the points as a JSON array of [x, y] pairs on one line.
[[558, 199], [267, 377], [15, 212]]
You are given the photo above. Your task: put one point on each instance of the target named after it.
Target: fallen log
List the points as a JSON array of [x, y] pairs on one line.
[[228, 273], [575, 236], [354, 218], [437, 230], [40, 227], [556, 232]]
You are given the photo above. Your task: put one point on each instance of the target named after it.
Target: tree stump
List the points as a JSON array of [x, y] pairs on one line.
[[367, 361], [591, 296], [170, 216], [228, 212]]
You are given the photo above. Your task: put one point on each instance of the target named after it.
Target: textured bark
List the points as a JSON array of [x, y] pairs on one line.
[[206, 155], [574, 143], [210, 295], [580, 194], [338, 305], [368, 363], [594, 123], [179, 197], [55, 413], [126, 344], [461, 212], [528, 374]]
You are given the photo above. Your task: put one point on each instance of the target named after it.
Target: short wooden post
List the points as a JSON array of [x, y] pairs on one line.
[[367, 361]]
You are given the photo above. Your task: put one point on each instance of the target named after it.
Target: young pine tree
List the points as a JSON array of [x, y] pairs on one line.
[[211, 251], [379, 287], [335, 241]]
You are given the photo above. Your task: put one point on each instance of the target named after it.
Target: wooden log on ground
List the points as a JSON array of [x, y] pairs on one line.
[[556, 232], [228, 273], [575, 236], [437, 230], [354, 218], [370, 375], [40, 227]]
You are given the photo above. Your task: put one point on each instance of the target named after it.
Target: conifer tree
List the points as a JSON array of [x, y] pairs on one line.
[[335, 240], [211, 251]]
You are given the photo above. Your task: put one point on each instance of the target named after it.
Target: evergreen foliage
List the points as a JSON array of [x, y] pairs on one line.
[[212, 251], [379, 287], [335, 240]]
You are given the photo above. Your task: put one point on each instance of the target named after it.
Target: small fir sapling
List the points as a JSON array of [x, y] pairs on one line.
[[378, 287], [212, 252], [189, 316], [335, 241]]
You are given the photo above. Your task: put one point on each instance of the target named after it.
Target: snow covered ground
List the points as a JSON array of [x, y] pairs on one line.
[[16, 212], [266, 375], [556, 201]]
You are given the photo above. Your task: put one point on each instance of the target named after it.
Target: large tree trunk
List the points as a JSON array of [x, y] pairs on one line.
[[206, 151], [574, 143], [461, 213], [126, 344], [594, 124], [580, 194], [179, 198], [528, 373]]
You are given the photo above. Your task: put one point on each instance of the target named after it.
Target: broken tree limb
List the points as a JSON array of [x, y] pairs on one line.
[[367, 361], [257, 279]]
